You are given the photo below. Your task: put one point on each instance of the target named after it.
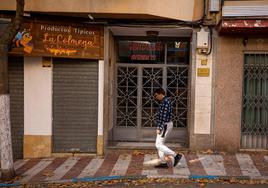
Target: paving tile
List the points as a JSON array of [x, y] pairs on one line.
[[129, 163], [48, 171], [194, 165], [76, 170], [231, 165]]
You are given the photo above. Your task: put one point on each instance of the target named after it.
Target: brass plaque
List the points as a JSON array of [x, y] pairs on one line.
[[204, 62], [203, 72]]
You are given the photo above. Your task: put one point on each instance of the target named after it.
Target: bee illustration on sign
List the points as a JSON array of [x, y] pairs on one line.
[[24, 39]]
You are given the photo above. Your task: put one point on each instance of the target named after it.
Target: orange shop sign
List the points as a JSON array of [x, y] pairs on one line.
[[59, 40]]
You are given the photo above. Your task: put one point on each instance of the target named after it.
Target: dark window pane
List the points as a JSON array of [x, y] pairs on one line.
[[144, 52], [177, 52]]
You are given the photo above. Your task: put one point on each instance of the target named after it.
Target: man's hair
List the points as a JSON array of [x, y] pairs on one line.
[[160, 91]]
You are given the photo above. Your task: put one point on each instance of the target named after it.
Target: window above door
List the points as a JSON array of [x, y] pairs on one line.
[[153, 51]]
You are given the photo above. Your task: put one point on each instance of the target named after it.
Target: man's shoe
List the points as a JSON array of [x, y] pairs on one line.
[[171, 162], [177, 158], [161, 165]]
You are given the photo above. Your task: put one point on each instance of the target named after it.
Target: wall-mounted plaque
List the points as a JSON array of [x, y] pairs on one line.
[[204, 61], [203, 72]]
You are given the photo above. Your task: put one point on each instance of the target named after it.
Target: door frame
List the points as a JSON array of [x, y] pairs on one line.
[[140, 133]]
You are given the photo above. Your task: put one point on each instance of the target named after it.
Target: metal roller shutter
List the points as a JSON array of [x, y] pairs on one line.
[[75, 105], [16, 84]]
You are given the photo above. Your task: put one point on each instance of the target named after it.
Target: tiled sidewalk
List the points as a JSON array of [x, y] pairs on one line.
[[130, 163]]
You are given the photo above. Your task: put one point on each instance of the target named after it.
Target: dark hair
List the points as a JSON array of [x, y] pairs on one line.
[[160, 91]]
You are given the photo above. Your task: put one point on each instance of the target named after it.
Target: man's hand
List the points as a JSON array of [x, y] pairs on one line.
[[158, 131]]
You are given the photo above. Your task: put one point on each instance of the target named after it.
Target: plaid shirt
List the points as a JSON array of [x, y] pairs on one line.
[[164, 113]]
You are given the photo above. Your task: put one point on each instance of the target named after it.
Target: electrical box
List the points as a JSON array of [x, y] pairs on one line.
[[214, 5], [202, 39]]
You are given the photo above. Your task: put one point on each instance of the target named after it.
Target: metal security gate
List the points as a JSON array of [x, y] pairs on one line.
[[16, 89], [136, 107], [75, 105], [255, 102]]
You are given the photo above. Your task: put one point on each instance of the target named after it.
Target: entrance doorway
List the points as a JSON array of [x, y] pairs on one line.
[[255, 99], [142, 67]]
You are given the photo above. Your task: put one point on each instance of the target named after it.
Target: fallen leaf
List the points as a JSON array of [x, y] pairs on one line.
[[209, 151], [136, 152], [201, 184], [48, 174]]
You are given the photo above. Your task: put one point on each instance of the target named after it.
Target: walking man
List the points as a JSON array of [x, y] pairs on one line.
[[164, 128]]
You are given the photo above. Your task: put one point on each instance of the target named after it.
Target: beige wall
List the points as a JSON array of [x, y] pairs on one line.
[[201, 128], [37, 108], [174, 9], [203, 89], [228, 92], [37, 97]]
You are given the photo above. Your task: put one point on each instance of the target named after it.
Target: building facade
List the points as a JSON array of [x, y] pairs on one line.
[[241, 79], [84, 79]]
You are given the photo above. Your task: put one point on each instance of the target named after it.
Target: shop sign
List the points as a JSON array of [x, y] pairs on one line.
[[59, 40], [246, 26]]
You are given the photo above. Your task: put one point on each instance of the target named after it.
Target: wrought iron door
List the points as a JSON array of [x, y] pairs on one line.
[[136, 108], [255, 102]]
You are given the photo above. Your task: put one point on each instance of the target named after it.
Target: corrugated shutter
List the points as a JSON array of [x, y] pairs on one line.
[[234, 11], [16, 83], [75, 105]]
